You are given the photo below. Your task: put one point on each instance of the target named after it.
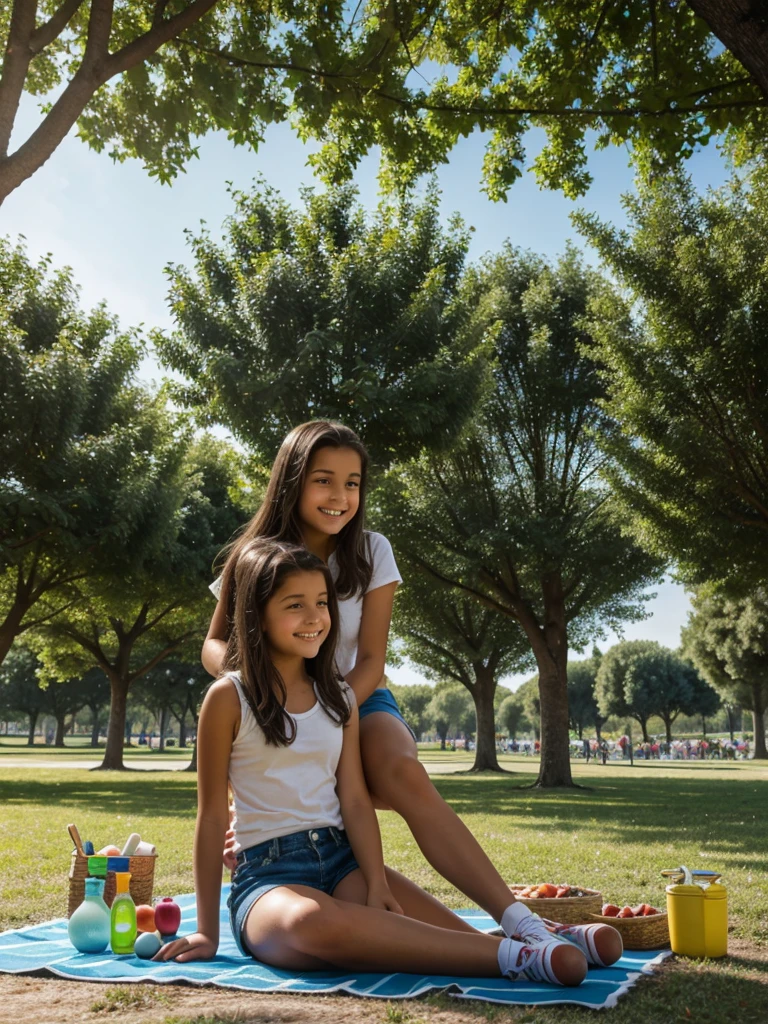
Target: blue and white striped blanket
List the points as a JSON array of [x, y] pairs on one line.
[[45, 947]]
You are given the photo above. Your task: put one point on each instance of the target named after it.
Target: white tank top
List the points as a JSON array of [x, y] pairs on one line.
[[279, 790]]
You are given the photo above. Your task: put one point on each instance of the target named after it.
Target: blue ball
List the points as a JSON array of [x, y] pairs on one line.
[[146, 945]]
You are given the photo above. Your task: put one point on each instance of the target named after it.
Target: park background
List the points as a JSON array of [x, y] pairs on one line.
[[118, 230]]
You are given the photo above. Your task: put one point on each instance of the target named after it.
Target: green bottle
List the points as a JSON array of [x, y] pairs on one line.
[[123, 925]]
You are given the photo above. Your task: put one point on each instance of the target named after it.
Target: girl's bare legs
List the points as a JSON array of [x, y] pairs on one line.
[[299, 928], [396, 778]]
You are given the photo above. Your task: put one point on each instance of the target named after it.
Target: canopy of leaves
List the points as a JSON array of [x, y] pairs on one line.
[[686, 373], [85, 455], [727, 639], [641, 678], [326, 313], [147, 78], [511, 717], [519, 501], [582, 702]]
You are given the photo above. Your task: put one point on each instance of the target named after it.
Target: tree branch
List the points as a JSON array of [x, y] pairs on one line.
[[45, 34], [16, 60], [160, 33]]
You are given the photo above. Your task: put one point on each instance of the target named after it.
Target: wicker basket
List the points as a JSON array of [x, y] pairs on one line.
[[567, 909], [650, 932], [142, 879]]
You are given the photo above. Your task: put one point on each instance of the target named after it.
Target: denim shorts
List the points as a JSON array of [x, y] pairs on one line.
[[383, 700], [319, 858]]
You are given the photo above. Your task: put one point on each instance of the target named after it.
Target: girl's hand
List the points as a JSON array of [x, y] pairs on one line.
[[380, 897], [229, 858], [192, 947]]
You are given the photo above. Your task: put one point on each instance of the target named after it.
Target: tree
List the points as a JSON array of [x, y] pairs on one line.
[[511, 715], [515, 515], [325, 313], [128, 625], [648, 76], [173, 688], [94, 687], [63, 699], [640, 678], [452, 637], [83, 450], [726, 639], [451, 707], [583, 710], [20, 689], [685, 364], [413, 702]]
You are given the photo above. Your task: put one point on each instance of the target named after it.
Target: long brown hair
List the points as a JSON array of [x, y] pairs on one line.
[[278, 516], [261, 569]]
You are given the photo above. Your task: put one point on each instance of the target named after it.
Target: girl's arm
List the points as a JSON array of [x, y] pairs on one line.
[[215, 644], [359, 817], [372, 641], [216, 730]]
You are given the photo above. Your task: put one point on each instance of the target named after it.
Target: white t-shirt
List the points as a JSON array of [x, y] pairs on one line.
[[351, 609], [280, 790]]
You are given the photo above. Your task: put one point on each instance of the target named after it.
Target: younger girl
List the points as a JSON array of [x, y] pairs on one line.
[[316, 498], [310, 890]]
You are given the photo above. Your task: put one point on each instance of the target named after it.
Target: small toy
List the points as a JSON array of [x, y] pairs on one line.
[[147, 945], [145, 918], [167, 916]]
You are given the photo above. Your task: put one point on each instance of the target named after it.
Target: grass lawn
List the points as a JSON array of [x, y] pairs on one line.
[[615, 835]]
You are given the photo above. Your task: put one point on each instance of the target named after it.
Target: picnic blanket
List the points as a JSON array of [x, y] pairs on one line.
[[46, 948]]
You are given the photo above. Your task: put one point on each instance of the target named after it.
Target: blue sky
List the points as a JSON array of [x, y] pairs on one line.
[[118, 229]]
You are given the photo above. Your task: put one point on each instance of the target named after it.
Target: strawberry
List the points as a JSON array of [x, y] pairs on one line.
[[625, 912], [547, 891], [610, 910], [649, 911], [639, 910], [563, 891]]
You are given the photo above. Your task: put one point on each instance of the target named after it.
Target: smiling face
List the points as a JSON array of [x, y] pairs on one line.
[[296, 619], [331, 494]]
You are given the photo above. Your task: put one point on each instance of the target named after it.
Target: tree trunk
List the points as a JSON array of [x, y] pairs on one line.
[[183, 731], [163, 727], [704, 726], [95, 725], [731, 726], [11, 626], [192, 766], [32, 723], [740, 26], [758, 721], [113, 755], [486, 758], [667, 727], [60, 730], [550, 648], [644, 728]]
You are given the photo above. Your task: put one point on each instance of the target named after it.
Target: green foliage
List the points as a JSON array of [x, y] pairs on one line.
[[410, 78], [516, 516], [685, 365], [325, 313], [511, 717], [640, 678], [85, 454], [726, 639], [451, 710], [413, 702], [582, 703]]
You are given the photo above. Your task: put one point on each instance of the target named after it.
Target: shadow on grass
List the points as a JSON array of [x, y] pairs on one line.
[[167, 794]]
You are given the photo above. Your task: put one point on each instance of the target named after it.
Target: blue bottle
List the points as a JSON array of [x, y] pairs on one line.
[[89, 926]]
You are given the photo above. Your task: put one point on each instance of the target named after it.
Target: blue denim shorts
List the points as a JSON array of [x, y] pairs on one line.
[[319, 858], [383, 700]]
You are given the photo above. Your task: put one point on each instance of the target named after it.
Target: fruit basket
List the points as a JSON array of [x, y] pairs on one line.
[[578, 906], [641, 932]]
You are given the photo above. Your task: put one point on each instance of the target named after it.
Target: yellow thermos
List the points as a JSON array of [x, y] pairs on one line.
[[698, 916]]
